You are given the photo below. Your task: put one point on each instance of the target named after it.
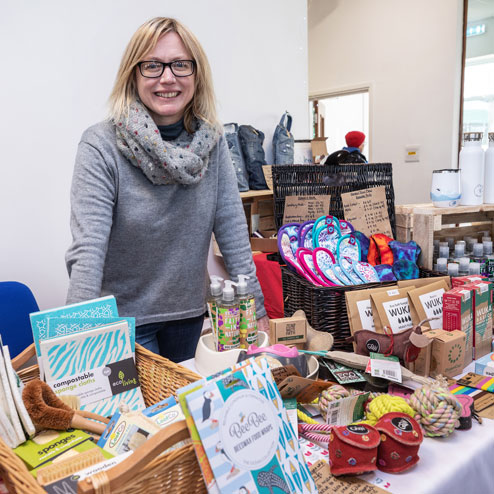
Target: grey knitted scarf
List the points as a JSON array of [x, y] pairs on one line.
[[164, 162]]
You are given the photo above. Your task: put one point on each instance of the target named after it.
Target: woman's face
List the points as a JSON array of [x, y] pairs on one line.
[[167, 96]]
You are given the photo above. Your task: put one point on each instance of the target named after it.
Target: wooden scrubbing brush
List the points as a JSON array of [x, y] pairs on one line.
[[64, 468], [48, 411]]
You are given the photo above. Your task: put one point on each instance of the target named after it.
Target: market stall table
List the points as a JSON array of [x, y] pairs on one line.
[[460, 463]]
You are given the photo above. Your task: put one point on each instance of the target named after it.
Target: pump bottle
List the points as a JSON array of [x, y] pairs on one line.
[[212, 301], [228, 319], [248, 320]]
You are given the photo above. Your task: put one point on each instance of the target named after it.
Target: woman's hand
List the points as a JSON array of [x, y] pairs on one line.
[[263, 324]]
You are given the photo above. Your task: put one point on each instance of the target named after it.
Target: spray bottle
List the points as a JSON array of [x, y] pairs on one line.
[[248, 320], [212, 301], [228, 319]]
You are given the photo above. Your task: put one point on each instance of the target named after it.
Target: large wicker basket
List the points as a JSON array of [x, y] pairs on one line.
[[144, 471]]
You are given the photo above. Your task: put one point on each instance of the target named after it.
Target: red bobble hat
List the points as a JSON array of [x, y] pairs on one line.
[[354, 139]]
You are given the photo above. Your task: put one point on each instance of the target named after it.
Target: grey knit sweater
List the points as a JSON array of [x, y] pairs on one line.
[[148, 244]]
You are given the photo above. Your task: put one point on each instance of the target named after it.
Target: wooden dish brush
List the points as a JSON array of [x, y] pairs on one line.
[[48, 411]]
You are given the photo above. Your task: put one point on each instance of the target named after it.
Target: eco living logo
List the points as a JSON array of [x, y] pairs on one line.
[[398, 312], [432, 303], [122, 376], [249, 429]]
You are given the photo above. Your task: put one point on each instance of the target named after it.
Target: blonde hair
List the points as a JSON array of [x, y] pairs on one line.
[[203, 103]]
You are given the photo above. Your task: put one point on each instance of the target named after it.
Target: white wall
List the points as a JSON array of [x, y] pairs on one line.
[[409, 53], [59, 60]]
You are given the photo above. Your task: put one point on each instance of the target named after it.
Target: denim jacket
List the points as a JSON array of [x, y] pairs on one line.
[[231, 135], [283, 141]]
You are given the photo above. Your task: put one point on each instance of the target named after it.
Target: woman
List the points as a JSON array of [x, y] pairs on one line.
[[150, 186]]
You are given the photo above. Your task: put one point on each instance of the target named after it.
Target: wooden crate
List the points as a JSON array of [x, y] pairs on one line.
[[424, 223]]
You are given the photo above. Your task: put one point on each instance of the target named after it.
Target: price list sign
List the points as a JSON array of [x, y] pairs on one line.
[[367, 211], [304, 208]]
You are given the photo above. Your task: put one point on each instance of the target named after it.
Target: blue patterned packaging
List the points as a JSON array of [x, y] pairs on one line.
[[99, 307], [246, 434], [97, 366]]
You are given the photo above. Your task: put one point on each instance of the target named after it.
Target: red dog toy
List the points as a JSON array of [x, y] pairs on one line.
[[353, 449], [400, 441]]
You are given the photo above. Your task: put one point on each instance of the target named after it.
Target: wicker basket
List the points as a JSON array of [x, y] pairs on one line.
[[144, 471], [307, 180], [325, 307]]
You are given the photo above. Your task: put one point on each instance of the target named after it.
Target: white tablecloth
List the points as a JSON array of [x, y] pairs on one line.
[[462, 463]]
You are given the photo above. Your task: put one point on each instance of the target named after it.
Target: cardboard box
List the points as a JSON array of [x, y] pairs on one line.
[[288, 330], [265, 208], [458, 311], [485, 365], [319, 149], [422, 365], [264, 244], [266, 223], [482, 318], [464, 280], [447, 353]]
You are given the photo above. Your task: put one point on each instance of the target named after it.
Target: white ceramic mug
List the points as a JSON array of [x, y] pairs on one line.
[[445, 188]]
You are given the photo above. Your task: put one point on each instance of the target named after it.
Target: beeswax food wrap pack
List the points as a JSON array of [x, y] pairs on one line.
[[246, 434], [391, 308], [427, 302]]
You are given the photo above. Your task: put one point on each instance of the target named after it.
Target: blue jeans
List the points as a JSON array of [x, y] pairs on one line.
[[251, 141], [231, 135], [174, 340], [283, 141]]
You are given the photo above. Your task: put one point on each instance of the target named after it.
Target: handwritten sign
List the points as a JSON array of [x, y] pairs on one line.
[[281, 373], [302, 388], [367, 211], [327, 484], [304, 208]]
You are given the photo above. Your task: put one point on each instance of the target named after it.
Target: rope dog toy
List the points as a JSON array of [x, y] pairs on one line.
[[315, 432], [384, 404], [437, 410], [331, 394]]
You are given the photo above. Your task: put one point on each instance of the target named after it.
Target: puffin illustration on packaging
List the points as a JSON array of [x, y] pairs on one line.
[[249, 441]]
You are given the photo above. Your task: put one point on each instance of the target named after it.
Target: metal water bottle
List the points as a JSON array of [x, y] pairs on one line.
[[489, 171], [472, 170]]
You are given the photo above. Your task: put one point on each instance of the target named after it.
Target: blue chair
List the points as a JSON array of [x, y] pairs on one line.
[[16, 303]]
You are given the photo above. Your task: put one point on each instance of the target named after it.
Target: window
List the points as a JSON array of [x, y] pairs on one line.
[[334, 115]]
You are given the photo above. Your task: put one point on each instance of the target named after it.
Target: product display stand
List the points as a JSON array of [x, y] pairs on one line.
[[422, 222]]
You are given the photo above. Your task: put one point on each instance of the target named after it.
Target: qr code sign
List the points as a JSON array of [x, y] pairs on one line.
[[290, 329]]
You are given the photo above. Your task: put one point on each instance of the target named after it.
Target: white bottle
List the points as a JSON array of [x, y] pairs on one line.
[[472, 170], [489, 171]]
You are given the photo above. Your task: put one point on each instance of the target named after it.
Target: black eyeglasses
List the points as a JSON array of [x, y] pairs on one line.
[[179, 68]]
